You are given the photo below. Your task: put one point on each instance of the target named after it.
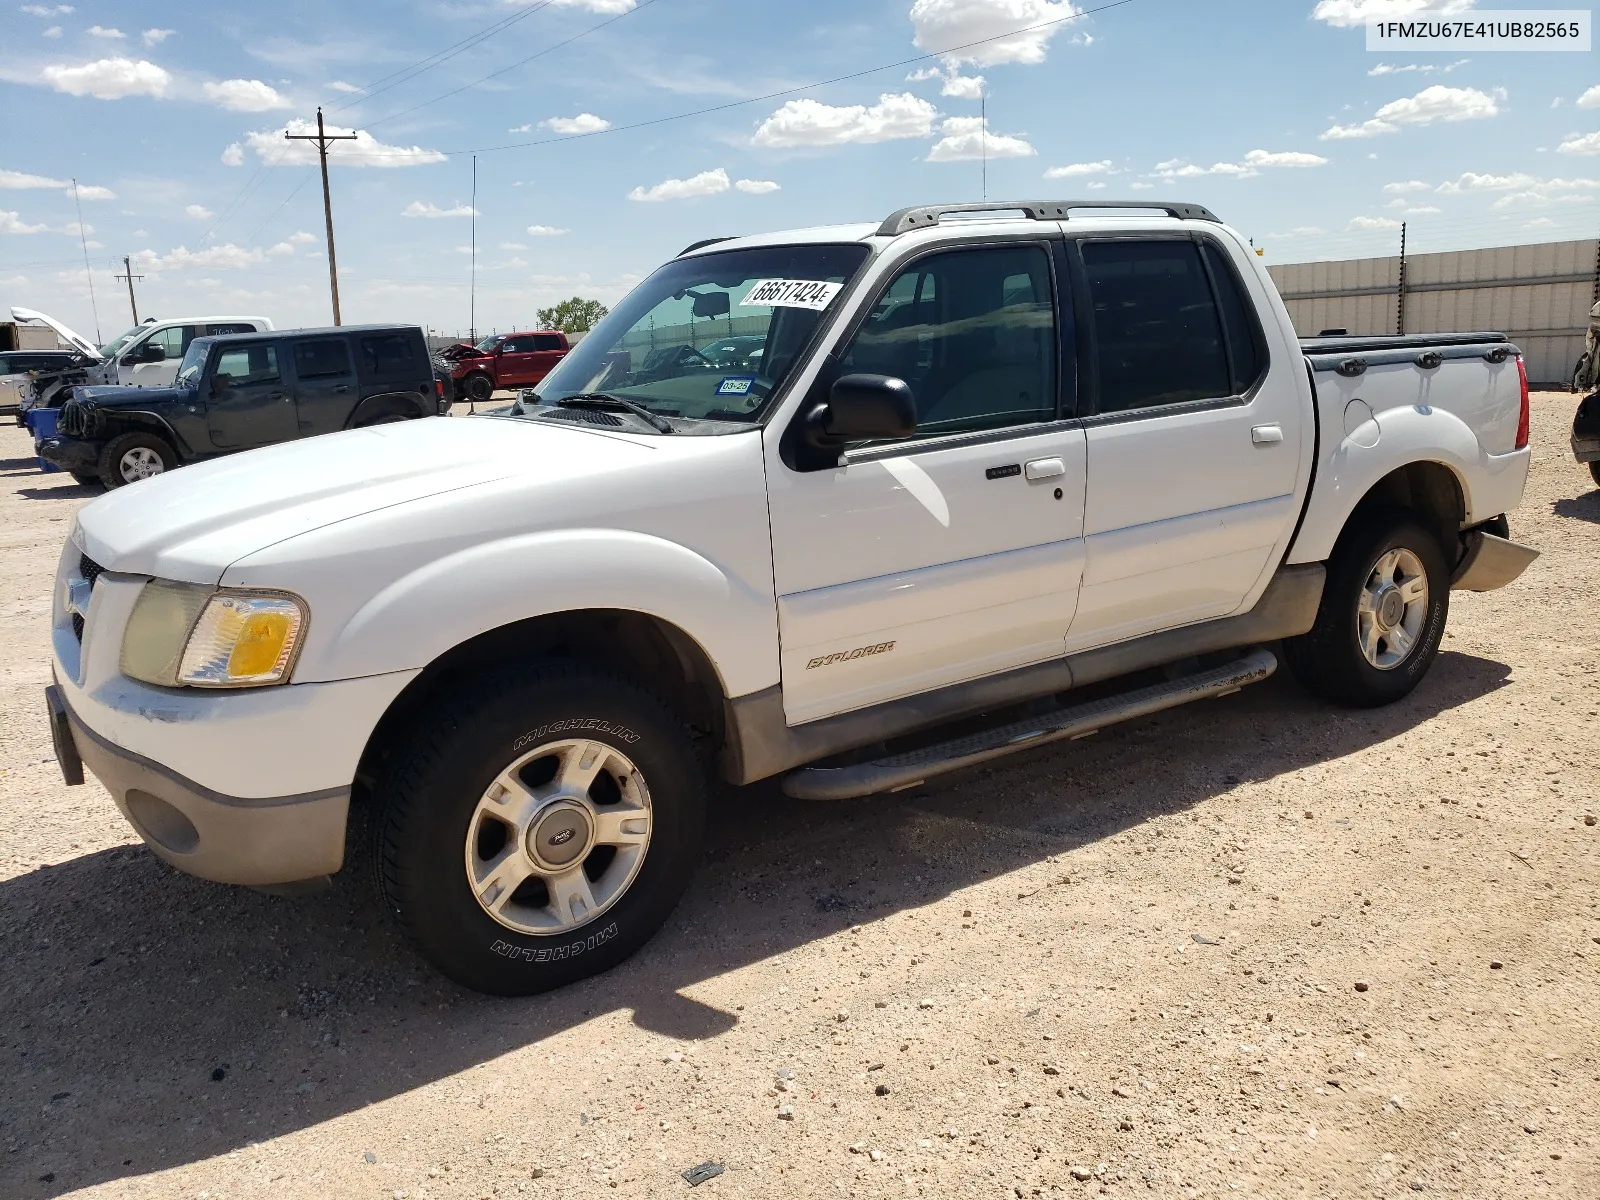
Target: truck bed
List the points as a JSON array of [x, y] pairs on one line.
[[1367, 344]]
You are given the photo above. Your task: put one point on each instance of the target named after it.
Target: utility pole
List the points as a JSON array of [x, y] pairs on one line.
[[1400, 292], [127, 273], [322, 139], [983, 136]]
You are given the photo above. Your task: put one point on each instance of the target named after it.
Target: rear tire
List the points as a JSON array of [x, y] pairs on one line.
[[1382, 615], [538, 827], [134, 456], [86, 478]]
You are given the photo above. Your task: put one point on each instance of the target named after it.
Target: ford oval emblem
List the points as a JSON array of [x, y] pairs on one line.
[[562, 838]]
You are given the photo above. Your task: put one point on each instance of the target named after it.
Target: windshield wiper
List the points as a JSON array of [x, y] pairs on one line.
[[620, 403]]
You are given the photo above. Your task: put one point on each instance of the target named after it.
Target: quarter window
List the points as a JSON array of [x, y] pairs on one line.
[[973, 332], [1157, 336], [325, 358], [387, 354], [1246, 347], [245, 365]]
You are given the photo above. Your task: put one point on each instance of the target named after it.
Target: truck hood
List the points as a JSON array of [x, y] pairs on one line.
[[193, 523], [111, 396], [462, 350], [65, 334]]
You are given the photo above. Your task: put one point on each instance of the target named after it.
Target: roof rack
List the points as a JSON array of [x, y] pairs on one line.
[[925, 216]]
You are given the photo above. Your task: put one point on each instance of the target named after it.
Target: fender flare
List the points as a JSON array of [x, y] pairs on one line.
[[1406, 435], [147, 422], [501, 583], [387, 404]]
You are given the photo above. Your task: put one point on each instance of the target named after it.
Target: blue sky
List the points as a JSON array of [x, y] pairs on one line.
[[1273, 114]]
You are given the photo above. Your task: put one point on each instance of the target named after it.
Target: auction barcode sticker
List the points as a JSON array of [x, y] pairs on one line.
[[791, 293]]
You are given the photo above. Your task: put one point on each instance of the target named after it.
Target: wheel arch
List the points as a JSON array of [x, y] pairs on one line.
[[387, 404]]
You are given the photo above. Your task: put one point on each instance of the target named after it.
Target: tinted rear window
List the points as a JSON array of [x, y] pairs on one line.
[[548, 341], [321, 359], [1246, 346], [388, 354]]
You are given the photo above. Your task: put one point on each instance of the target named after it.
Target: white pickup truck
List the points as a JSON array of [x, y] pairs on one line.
[[985, 458]]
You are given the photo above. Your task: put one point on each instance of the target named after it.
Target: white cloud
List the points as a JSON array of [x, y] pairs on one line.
[[154, 37], [1539, 223], [53, 32], [1372, 224], [1436, 103], [554, 231], [808, 122], [756, 187], [47, 10], [582, 123], [513, 245], [365, 151], [1591, 98], [966, 140], [100, 31], [198, 212], [1536, 198], [1347, 13], [301, 238], [244, 95], [281, 250], [1523, 184], [1299, 231], [963, 87], [11, 222], [1283, 158], [109, 79], [233, 155], [1074, 170], [339, 85], [598, 6], [707, 183], [427, 208], [1254, 162], [1404, 186], [1420, 210], [226, 257], [22, 181], [1587, 143], [941, 26], [1141, 187]]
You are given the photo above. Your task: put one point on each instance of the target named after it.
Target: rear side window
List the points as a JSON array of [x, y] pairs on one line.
[[1247, 356], [324, 358], [243, 365], [548, 341], [388, 354], [1158, 337], [231, 327]]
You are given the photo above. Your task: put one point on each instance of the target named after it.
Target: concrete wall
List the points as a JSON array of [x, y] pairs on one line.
[[1539, 295]]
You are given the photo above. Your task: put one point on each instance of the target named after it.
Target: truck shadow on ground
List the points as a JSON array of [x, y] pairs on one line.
[[1584, 508], [153, 1020]]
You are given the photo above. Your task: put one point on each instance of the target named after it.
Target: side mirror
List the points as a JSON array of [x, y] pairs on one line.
[[150, 352], [712, 304], [863, 408]]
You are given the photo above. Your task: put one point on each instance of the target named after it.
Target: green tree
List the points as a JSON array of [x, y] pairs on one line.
[[572, 316]]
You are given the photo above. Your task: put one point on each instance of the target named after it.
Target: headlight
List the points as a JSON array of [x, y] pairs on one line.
[[183, 634]]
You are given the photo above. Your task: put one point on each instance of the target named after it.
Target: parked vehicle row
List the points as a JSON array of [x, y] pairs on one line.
[[504, 360], [977, 465]]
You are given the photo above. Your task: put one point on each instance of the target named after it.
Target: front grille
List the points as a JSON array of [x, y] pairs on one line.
[[90, 570], [583, 416]]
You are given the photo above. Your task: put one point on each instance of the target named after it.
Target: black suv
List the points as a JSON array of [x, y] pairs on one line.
[[246, 390]]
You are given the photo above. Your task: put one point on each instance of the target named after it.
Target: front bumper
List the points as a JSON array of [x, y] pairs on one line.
[[280, 840], [70, 454]]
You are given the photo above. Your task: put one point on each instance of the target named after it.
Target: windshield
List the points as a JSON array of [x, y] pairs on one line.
[[712, 336], [488, 345], [193, 363], [112, 348]]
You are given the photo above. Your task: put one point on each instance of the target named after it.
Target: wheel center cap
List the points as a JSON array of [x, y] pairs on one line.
[[560, 836], [1391, 608]]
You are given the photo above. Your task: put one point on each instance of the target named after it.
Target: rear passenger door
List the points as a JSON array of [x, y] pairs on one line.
[[249, 404], [1194, 437], [324, 391], [548, 350]]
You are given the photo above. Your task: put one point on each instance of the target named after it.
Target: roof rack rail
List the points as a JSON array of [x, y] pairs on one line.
[[703, 243], [924, 216]]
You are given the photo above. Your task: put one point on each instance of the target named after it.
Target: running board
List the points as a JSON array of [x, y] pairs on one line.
[[906, 770]]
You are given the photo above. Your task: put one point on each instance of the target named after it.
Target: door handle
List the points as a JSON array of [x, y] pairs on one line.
[[1266, 435], [342, 388], [1045, 468]]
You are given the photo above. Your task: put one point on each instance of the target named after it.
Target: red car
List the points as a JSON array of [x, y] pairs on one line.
[[505, 360]]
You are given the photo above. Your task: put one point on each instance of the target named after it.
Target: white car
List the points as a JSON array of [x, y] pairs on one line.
[[147, 355], [987, 457]]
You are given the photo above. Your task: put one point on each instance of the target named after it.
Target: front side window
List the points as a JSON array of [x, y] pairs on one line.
[[663, 346], [194, 362], [321, 358], [515, 345], [174, 340], [973, 332], [242, 366], [1157, 335]]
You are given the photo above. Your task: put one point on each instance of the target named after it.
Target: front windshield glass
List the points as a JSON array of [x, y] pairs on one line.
[[193, 363], [112, 348], [711, 336], [487, 346]]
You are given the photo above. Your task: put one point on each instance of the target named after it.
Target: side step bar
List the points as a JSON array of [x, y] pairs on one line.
[[906, 770]]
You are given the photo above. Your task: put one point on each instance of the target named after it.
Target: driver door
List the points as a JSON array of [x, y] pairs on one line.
[[249, 404], [958, 553]]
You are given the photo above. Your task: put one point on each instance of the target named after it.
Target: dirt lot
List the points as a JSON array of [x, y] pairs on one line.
[[1256, 946]]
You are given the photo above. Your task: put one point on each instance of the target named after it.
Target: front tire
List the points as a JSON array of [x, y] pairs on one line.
[[539, 828], [479, 389], [134, 456], [1382, 615], [1594, 472]]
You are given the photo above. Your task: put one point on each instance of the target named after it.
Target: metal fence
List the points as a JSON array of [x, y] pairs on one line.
[[1539, 295]]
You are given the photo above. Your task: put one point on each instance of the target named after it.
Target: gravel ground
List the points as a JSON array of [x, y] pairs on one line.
[[1254, 946]]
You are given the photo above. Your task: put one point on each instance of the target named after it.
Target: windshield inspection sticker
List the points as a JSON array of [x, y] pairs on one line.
[[735, 385], [791, 293]]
